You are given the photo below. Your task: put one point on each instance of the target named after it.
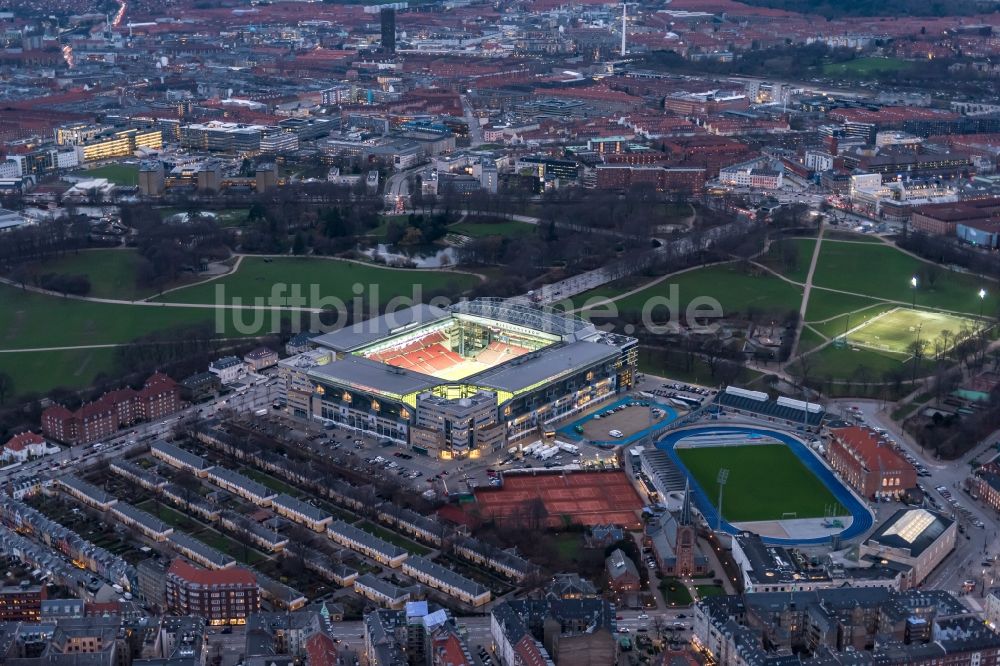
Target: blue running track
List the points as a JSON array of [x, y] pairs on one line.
[[862, 517]]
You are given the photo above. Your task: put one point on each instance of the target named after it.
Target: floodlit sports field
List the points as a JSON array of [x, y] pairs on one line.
[[895, 330], [766, 482]]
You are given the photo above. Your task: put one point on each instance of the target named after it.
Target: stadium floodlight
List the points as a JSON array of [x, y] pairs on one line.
[[721, 479], [913, 283], [982, 299]]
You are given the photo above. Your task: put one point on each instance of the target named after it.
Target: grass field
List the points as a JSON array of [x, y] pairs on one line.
[[866, 67], [40, 372], [882, 271], [895, 330], [779, 256], [766, 482], [845, 362], [329, 278], [734, 289], [505, 228], [112, 272], [119, 174], [835, 235]]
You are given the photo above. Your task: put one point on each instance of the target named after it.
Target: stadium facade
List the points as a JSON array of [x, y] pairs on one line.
[[468, 379]]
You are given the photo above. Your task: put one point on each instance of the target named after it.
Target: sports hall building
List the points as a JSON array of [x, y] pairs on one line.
[[471, 378]]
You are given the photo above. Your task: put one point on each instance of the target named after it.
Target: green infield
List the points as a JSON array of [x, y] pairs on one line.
[[766, 482], [318, 279], [505, 228], [119, 174], [881, 271], [897, 329]]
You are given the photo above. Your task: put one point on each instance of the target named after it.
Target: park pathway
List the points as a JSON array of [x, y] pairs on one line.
[[807, 291]]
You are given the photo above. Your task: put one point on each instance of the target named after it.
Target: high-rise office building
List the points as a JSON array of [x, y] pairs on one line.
[[388, 17]]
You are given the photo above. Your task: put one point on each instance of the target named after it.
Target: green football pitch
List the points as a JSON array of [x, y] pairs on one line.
[[766, 482], [895, 330]]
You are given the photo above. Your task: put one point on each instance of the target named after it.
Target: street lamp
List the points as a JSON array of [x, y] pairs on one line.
[[982, 299], [913, 283], [721, 479]]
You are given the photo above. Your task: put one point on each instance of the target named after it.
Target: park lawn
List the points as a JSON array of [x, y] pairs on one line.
[[320, 279], [825, 304], [801, 248], [119, 174], [732, 288], [838, 235], [809, 340], [896, 330], [866, 67], [112, 273], [505, 228], [881, 271], [842, 363], [675, 593], [36, 321], [766, 482], [42, 371], [394, 538]]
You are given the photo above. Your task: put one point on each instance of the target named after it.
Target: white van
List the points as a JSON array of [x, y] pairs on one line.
[[617, 434]]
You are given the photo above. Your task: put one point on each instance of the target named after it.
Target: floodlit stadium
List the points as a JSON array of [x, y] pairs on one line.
[[469, 378]]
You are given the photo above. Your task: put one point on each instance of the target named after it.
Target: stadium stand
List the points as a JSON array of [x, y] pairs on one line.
[[759, 405]]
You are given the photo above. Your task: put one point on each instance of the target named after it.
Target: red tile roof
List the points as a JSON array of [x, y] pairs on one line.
[[20, 441], [194, 574], [866, 446], [321, 650]]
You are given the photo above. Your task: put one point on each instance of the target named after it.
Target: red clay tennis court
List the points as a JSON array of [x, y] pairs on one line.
[[586, 498]]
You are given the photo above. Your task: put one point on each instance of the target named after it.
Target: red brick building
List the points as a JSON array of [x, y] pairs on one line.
[[942, 219], [21, 603], [159, 397], [869, 464], [224, 596], [623, 176]]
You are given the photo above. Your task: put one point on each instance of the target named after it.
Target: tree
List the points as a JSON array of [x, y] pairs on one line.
[[6, 386]]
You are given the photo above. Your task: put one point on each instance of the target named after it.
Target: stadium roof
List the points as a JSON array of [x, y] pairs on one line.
[[361, 334], [360, 372], [914, 530], [539, 318], [528, 370]]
